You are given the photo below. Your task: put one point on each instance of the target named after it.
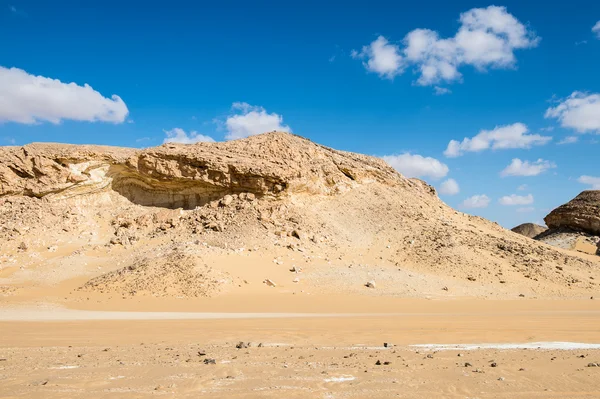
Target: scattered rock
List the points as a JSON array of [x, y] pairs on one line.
[[242, 345], [210, 361], [270, 283], [593, 365], [467, 364], [370, 284], [493, 364]]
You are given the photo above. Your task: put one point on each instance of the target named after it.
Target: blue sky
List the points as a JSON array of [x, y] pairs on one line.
[[362, 77]]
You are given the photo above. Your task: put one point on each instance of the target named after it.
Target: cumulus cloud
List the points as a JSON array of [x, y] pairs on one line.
[[486, 38], [249, 120], [513, 199], [518, 167], [381, 57], [592, 181], [414, 165], [580, 111], [178, 135], [596, 29], [449, 187], [499, 138], [476, 201], [568, 140], [31, 99]]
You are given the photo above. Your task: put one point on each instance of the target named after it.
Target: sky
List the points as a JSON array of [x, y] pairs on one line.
[[497, 105]]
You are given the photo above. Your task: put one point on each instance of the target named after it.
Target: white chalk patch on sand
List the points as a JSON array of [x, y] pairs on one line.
[[64, 367], [343, 378], [117, 377], [508, 346]]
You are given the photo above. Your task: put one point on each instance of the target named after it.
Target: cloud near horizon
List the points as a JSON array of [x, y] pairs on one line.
[[513, 199], [476, 201], [249, 120], [500, 138], [592, 181], [449, 187], [30, 99], [486, 38], [414, 165], [178, 135]]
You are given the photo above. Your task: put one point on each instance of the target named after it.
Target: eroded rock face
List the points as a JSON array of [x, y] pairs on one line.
[[580, 214], [186, 176]]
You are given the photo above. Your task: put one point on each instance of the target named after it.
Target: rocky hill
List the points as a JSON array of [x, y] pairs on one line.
[[229, 215], [530, 230]]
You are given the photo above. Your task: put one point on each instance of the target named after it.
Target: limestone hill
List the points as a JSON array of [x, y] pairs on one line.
[[253, 209]]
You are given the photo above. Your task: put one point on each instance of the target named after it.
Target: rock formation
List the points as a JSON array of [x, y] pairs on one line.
[[582, 213], [530, 230], [155, 222]]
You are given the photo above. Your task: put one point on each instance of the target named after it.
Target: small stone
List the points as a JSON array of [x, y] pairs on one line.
[[296, 280], [387, 345], [210, 361], [250, 196], [378, 363], [242, 345], [227, 200], [592, 365], [297, 234], [370, 284], [471, 278], [270, 283], [430, 356], [522, 295], [467, 364], [494, 364], [501, 379]]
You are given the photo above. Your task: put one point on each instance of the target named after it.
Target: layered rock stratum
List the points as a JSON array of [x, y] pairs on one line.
[[215, 219]]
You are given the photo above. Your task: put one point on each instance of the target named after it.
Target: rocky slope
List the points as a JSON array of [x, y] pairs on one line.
[[236, 213]]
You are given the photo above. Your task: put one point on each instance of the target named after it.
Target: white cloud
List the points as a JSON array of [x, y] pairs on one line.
[[440, 91], [591, 181], [449, 187], [501, 137], [486, 38], [526, 209], [525, 168], [579, 111], [417, 166], [513, 199], [382, 57], [569, 140], [178, 135], [596, 29], [30, 99], [522, 187], [476, 201], [249, 120]]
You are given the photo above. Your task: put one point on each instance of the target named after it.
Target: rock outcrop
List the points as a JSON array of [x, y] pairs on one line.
[[530, 230], [186, 176], [581, 214]]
